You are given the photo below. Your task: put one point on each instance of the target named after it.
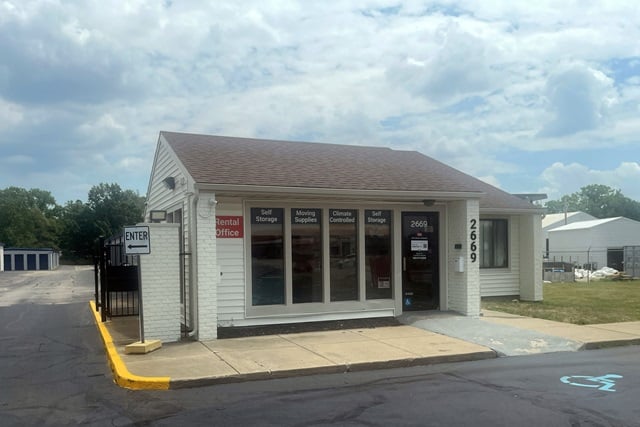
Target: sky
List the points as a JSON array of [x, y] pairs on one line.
[[530, 96]]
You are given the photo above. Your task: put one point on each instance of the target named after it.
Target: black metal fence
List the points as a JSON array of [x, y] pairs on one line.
[[116, 279]]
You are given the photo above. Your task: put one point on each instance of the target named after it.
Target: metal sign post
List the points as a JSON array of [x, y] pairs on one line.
[[140, 310], [137, 241]]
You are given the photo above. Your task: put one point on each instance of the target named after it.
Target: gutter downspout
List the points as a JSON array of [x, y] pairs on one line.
[[193, 281]]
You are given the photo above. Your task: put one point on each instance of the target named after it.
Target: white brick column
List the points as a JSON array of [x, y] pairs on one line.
[[531, 257], [463, 287], [160, 274], [207, 268]]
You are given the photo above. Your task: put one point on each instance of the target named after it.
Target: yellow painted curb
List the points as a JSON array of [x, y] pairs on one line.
[[121, 374]]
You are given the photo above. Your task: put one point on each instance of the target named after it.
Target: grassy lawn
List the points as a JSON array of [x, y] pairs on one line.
[[579, 303]]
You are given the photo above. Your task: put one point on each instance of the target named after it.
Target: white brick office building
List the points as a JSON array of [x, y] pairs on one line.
[[284, 232]]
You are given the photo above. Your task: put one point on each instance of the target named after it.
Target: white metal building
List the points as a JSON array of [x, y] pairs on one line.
[[1, 256], [555, 220], [284, 232], [599, 242]]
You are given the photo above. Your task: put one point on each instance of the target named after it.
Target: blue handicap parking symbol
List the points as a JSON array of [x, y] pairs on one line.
[[603, 382]]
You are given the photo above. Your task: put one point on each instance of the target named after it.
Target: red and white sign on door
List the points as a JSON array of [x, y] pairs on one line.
[[229, 227]]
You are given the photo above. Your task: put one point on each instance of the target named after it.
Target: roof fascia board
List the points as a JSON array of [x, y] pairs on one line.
[[153, 168], [338, 192], [494, 211]]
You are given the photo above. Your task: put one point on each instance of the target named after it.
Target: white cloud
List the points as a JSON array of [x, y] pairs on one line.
[[10, 115], [561, 179], [579, 98], [490, 180], [106, 123], [75, 32], [455, 65], [469, 83], [132, 163]]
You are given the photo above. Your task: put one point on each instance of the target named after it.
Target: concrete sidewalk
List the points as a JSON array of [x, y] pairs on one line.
[[512, 335], [192, 364]]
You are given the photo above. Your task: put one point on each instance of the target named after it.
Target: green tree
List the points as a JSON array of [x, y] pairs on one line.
[[598, 200], [113, 208], [108, 209], [79, 234], [29, 218]]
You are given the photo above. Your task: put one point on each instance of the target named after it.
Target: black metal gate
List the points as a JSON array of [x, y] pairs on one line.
[[116, 279]]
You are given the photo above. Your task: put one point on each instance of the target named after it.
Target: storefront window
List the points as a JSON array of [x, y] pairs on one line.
[[343, 250], [306, 254], [377, 241], [267, 256]]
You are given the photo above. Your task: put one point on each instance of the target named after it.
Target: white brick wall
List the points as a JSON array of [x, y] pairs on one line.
[[463, 288], [207, 274], [160, 274]]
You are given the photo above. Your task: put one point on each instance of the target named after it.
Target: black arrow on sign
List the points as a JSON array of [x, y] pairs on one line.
[[137, 246]]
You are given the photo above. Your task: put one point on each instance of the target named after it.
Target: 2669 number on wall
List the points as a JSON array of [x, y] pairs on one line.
[[473, 235]]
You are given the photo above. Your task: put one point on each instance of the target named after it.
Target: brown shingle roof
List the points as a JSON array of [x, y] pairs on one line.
[[259, 162]]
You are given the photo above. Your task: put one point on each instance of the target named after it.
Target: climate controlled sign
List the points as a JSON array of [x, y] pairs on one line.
[[137, 240]]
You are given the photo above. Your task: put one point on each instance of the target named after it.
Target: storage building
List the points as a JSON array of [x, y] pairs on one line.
[[285, 232], [18, 259], [595, 243]]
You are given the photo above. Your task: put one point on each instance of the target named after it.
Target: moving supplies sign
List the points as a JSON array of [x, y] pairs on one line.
[[229, 227]]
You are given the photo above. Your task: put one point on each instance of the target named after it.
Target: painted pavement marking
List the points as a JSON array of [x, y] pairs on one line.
[[603, 382]]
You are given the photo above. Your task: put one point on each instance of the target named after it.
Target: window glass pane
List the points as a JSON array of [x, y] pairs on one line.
[[500, 258], [343, 249], [267, 256], [377, 241], [486, 237], [306, 253], [494, 249]]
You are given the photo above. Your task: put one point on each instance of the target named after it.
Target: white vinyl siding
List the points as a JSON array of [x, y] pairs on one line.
[[504, 281], [160, 197], [231, 290]]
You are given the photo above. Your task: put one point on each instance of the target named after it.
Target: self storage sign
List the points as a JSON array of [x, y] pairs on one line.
[[229, 227]]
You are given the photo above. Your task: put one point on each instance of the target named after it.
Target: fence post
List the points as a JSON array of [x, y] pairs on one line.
[[103, 281], [95, 281], [589, 264]]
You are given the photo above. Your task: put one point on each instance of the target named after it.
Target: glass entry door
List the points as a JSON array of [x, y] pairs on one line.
[[420, 275]]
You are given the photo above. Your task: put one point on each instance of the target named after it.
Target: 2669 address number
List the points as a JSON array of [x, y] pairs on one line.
[[418, 224], [473, 235]]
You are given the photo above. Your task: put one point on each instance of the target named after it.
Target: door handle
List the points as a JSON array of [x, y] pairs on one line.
[[404, 263]]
